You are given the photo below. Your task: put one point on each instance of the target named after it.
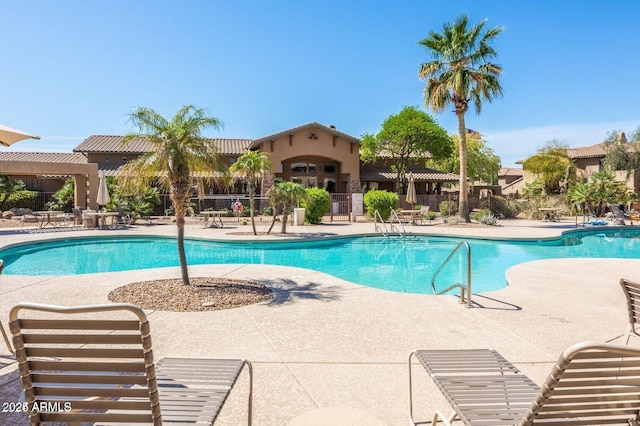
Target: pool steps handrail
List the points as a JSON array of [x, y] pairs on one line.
[[400, 230], [463, 289], [382, 228]]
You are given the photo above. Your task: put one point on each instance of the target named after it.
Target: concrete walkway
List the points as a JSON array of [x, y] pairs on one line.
[[325, 349]]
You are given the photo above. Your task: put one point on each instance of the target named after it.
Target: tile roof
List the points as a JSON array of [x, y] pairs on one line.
[[385, 174], [44, 157], [113, 144], [596, 150], [509, 171], [313, 124]]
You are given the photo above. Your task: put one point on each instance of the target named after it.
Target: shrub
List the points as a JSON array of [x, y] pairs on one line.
[[25, 199], [505, 207], [316, 205], [448, 208], [478, 214], [383, 201], [267, 211]]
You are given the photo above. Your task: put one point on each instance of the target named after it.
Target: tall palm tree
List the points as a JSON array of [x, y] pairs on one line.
[[252, 167], [288, 195], [180, 159], [461, 72]]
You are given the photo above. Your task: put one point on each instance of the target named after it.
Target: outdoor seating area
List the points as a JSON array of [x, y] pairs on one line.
[[348, 358], [104, 369]]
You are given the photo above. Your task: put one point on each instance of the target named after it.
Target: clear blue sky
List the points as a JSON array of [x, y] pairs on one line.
[[71, 69]]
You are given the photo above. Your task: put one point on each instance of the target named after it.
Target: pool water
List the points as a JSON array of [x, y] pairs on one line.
[[392, 264]]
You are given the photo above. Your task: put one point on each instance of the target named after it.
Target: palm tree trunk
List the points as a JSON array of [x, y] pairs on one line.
[[285, 217], [251, 209], [180, 200], [463, 205], [181, 253]]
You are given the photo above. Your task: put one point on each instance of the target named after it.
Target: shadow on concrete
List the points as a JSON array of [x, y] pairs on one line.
[[486, 302], [288, 291]]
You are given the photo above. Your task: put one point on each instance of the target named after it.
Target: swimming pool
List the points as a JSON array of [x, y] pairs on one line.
[[391, 264]]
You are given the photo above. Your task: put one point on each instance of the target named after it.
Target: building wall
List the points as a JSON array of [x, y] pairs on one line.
[[319, 147]]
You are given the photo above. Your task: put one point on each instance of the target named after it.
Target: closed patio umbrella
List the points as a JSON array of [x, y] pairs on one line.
[[9, 136], [103, 192], [411, 191]]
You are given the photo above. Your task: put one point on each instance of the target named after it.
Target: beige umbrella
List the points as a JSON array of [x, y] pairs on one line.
[[411, 191], [9, 136], [103, 197]]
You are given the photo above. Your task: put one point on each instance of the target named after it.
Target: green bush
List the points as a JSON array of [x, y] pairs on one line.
[[23, 199], [316, 205], [505, 207], [448, 208], [383, 201], [477, 215], [267, 211]]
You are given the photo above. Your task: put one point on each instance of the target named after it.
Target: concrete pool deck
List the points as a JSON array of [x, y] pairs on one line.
[[328, 349]]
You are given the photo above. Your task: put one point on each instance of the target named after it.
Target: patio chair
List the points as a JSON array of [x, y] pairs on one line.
[[4, 333], [631, 292], [424, 211], [590, 384], [618, 214], [123, 219], [95, 364], [194, 219]]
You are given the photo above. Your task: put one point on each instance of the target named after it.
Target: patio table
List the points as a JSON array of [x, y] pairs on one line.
[[213, 214], [102, 216]]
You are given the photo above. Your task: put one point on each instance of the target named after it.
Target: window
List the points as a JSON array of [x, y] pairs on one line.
[[107, 159], [35, 183], [299, 168], [329, 168], [124, 159]]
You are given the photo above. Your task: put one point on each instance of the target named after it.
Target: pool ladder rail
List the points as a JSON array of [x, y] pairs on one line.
[[465, 290], [382, 227]]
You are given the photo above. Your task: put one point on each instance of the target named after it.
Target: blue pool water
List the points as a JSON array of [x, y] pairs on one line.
[[397, 265]]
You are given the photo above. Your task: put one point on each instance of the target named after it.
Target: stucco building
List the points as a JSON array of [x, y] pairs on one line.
[[311, 154]]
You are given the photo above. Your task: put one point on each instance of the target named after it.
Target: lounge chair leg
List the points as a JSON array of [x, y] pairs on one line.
[[445, 420], [250, 409]]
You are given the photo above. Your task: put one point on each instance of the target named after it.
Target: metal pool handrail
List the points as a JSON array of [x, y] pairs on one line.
[[462, 288], [401, 230], [382, 229]]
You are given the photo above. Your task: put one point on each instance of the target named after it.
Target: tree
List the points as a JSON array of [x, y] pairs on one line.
[[64, 198], [288, 195], [620, 154], [180, 159], [482, 162], [8, 186], [598, 192], [554, 166], [252, 167], [461, 72], [410, 135]]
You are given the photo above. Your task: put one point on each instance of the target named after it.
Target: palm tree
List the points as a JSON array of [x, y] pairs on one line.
[[180, 159], [287, 194], [459, 73], [252, 166]]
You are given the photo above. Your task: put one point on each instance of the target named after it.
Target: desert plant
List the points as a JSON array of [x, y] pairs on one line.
[[316, 205], [252, 167], [448, 208], [288, 195], [179, 158], [380, 200]]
